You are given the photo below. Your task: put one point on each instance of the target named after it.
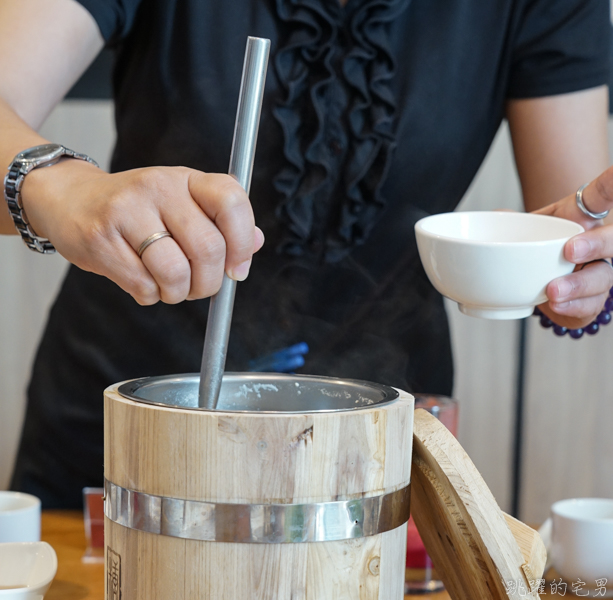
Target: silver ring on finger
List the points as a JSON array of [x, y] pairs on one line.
[[152, 238], [586, 211]]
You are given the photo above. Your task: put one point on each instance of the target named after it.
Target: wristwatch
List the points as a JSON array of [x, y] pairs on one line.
[[38, 156]]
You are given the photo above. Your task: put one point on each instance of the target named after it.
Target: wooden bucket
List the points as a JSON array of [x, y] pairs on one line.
[[296, 487]]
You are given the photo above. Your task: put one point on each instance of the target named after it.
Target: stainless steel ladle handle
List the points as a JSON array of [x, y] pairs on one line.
[[241, 167]]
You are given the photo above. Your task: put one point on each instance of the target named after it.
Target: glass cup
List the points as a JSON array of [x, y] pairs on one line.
[[421, 576], [19, 517], [93, 516]]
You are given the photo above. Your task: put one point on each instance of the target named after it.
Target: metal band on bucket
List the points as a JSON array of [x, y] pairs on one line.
[[257, 523]]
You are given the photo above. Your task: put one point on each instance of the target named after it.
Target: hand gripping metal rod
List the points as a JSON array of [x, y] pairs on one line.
[[241, 167]]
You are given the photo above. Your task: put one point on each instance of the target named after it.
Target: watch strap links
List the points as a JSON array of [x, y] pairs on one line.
[[13, 183]]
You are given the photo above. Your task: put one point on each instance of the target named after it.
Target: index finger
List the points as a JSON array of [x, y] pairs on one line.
[[593, 244], [226, 203]]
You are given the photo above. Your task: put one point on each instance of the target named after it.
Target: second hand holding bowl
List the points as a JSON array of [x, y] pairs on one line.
[[495, 265]]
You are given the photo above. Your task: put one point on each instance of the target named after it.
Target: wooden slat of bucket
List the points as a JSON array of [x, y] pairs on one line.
[[219, 457], [365, 568]]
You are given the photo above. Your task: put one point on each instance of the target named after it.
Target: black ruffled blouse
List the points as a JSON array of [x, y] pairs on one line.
[[338, 116], [375, 114]]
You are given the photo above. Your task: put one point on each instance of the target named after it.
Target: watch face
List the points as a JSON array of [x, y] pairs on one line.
[[42, 153]]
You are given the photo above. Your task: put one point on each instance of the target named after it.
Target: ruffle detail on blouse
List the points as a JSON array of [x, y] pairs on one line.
[[335, 68]]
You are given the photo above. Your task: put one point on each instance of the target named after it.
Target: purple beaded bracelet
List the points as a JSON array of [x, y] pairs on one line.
[[604, 318]]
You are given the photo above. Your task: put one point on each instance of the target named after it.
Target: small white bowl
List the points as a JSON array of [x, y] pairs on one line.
[[579, 539], [26, 570], [495, 265]]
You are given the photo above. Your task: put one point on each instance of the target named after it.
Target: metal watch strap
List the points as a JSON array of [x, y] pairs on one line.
[[12, 193]]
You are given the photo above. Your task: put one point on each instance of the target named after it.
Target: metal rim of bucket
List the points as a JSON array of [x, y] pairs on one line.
[[354, 394], [257, 523]]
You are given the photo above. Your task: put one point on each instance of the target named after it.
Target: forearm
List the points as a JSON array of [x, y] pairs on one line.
[[44, 47], [560, 143]]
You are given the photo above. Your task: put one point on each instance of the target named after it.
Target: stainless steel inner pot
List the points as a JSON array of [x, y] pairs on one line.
[[262, 392]]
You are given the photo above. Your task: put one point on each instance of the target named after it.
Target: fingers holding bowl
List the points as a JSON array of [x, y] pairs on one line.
[[593, 244], [576, 299]]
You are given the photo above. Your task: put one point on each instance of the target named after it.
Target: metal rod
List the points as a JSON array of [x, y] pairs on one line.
[[241, 167], [518, 428]]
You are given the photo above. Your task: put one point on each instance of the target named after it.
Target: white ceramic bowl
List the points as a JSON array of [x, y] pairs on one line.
[[495, 265], [26, 570]]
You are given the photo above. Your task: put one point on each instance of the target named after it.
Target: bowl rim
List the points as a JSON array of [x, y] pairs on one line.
[[50, 573], [563, 508], [419, 228], [32, 502]]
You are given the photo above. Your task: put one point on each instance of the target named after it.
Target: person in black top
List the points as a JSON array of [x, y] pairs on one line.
[[376, 113]]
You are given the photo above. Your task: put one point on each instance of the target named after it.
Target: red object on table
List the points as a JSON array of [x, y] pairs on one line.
[[94, 516], [417, 557], [446, 412]]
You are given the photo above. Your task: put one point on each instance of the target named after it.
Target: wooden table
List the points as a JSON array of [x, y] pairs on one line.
[[76, 580]]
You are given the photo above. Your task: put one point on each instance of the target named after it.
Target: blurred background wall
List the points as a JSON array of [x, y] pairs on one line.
[[566, 394]]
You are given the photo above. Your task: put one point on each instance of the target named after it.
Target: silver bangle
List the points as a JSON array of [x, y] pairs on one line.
[[586, 211]]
